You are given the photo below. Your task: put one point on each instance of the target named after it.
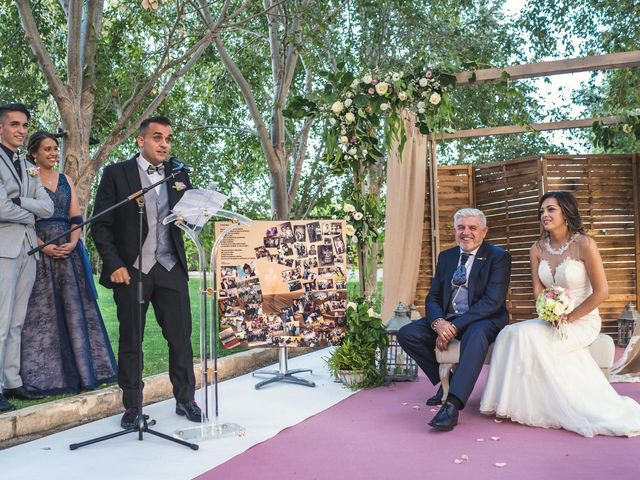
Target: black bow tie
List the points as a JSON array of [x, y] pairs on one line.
[[151, 169]]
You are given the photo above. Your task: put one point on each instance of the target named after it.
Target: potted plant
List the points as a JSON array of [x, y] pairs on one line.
[[355, 361]]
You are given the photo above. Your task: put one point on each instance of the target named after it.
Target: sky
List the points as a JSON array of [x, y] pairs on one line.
[[557, 90]]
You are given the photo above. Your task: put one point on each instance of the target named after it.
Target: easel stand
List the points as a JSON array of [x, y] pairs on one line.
[[283, 374], [210, 428]]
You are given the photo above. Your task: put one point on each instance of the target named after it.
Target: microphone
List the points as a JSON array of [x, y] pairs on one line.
[[178, 166]]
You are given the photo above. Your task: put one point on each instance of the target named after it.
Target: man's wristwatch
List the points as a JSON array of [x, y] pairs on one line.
[[434, 324]]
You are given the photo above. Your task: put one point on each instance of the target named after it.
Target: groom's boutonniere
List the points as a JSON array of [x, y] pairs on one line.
[[33, 171], [179, 186]]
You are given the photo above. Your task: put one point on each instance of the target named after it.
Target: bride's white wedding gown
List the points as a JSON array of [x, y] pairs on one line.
[[540, 379]]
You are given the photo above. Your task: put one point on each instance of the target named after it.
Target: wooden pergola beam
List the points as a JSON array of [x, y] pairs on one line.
[[553, 67], [532, 127]]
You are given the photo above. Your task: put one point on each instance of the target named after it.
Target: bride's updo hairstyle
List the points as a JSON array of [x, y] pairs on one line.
[[34, 143], [569, 206]]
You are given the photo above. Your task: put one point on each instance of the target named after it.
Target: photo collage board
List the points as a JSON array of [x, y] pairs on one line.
[[282, 283]]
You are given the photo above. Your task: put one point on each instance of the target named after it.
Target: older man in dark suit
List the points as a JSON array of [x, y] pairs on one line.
[[164, 266], [467, 301]]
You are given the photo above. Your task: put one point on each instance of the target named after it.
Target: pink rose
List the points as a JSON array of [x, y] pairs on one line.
[[428, 74], [374, 81], [371, 91]]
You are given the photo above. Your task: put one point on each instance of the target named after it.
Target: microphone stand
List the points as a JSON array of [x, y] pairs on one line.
[[141, 424]]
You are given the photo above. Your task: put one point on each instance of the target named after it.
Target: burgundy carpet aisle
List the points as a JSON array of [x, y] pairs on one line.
[[381, 434]]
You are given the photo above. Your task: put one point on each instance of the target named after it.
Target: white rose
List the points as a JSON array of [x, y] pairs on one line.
[[423, 82], [558, 309], [350, 230], [349, 117], [352, 305], [357, 216], [367, 78], [395, 76], [364, 151], [384, 106], [382, 88], [337, 107], [332, 121], [421, 110], [348, 102], [354, 239], [344, 139], [348, 207], [353, 151], [355, 83], [402, 96], [372, 313], [435, 98], [421, 105]]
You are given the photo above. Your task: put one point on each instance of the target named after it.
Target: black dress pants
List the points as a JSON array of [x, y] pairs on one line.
[[168, 292]]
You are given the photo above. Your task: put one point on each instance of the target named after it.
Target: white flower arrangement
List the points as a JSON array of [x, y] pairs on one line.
[[382, 88], [337, 107], [33, 171]]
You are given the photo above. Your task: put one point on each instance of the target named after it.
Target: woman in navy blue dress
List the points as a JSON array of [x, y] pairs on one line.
[[65, 347]]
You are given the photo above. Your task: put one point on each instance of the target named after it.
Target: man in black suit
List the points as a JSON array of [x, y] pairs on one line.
[[467, 301], [164, 265]]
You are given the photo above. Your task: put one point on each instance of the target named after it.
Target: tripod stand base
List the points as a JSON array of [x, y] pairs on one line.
[[141, 427], [210, 431]]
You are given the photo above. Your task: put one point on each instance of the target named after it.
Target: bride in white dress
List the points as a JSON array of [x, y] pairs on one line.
[[541, 378]]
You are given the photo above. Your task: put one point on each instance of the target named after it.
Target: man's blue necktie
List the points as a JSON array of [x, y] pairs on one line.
[[460, 275]]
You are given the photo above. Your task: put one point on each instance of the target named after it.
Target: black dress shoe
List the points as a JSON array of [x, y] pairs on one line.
[[129, 418], [189, 409], [446, 418], [436, 399], [22, 393], [6, 406]]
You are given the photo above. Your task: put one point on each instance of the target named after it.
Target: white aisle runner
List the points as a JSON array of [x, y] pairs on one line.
[[263, 413]]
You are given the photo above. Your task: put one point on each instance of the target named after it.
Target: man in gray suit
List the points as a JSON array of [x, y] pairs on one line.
[[22, 199]]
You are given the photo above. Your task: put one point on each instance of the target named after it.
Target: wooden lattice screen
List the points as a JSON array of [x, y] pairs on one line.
[[608, 191]]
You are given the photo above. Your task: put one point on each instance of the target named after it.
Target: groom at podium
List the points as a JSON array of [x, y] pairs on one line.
[[164, 265], [467, 301]]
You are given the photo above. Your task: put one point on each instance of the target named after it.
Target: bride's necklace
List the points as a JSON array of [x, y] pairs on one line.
[[562, 248]]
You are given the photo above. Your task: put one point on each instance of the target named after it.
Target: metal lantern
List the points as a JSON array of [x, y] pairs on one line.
[[398, 365], [626, 324]]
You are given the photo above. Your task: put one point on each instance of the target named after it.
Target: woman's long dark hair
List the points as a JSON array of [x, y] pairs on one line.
[[34, 143], [568, 206]]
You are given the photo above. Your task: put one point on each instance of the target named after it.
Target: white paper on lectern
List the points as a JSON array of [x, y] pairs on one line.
[[195, 203]]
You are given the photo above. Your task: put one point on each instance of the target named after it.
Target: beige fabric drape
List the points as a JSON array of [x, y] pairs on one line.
[[406, 182]]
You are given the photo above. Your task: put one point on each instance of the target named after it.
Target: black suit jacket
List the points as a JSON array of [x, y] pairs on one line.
[[116, 233], [488, 286]]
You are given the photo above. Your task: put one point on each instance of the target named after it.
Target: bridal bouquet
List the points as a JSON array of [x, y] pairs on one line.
[[553, 303]]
